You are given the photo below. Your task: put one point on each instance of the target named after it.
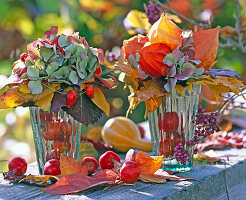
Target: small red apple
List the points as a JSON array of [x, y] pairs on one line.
[[91, 164], [129, 172], [18, 164], [52, 167], [106, 160]]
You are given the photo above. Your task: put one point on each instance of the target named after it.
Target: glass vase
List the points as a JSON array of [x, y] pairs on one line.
[[55, 134], [171, 124]]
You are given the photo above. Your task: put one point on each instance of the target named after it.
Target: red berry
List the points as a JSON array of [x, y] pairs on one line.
[[91, 164], [129, 172], [18, 164], [98, 70], [106, 160], [52, 167], [71, 98], [89, 90], [23, 57]]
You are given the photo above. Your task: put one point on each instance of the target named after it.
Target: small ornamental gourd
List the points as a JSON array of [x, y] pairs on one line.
[[123, 134]]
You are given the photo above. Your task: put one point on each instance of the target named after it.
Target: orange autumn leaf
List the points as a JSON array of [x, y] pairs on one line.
[[205, 46], [152, 104], [147, 164], [69, 165], [165, 31]]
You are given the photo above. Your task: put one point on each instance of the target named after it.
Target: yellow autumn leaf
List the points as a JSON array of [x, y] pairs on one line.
[[137, 20], [220, 85], [180, 89], [45, 103], [9, 99], [39, 178], [100, 100], [133, 102]]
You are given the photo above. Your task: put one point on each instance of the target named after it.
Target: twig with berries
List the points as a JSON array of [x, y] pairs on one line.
[[205, 125]]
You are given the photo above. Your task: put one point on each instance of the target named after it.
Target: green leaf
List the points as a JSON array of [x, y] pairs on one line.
[[87, 150], [59, 59], [81, 48], [29, 62], [73, 77], [82, 65], [46, 53], [35, 86], [92, 63], [71, 48], [52, 67], [33, 72], [62, 41]]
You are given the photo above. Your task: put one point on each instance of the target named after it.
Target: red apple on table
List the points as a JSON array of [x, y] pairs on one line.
[[129, 172], [106, 160], [91, 164]]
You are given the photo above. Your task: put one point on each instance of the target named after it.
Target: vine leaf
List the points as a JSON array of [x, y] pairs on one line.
[[84, 110]]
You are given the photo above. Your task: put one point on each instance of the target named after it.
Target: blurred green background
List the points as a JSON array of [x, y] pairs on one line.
[[101, 23]]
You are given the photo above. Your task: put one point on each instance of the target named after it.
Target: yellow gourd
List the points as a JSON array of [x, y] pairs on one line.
[[123, 134]]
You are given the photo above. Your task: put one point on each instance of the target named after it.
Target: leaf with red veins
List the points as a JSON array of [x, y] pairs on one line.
[[74, 183], [110, 83], [100, 56], [53, 31]]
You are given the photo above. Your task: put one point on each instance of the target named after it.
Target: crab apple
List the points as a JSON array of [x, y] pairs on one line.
[[89, 91], [106, 159], [71, 98], [91, 164], [129, 172], [62, 145], [23, 57], [52, 167], [170, 122], [18, 164], [98, 70], [66, 127]]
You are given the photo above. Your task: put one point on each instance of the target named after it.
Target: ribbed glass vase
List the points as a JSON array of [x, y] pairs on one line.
[[171, 124], [55, 134]]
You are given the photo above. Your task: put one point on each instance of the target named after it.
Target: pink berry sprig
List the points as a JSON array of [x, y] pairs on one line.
[[205, 125], [153, 13]]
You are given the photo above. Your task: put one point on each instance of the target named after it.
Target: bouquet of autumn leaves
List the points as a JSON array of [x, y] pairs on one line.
[[59, 72], [169, 58]]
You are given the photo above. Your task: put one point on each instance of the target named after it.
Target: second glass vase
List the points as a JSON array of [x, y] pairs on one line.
[[171, 124]]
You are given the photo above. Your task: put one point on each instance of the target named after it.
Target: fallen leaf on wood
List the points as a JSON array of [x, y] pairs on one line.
[[69, 165], [74, 183], [147, 164], [213, 159], [105, 175], [160, 176]]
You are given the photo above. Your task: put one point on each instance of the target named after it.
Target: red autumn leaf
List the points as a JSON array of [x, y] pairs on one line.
[[205, 46], [134, 44], [151, 59], [69, 166], [74, 183], [105, 175], [166, 32], [161, 175]]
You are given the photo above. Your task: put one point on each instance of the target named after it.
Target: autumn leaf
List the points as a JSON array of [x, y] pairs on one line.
[[205, 46], [180, 89], [133, 102], [165, 31], [220, 85], [74, 183], [41, 180], [137, 20], [105, 175], [45, 103], [100, 100], [147, 164], [150, 89], [69, 165], [160, 176], [87, 150], [9, 99], [205, 157], [152, 104]]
